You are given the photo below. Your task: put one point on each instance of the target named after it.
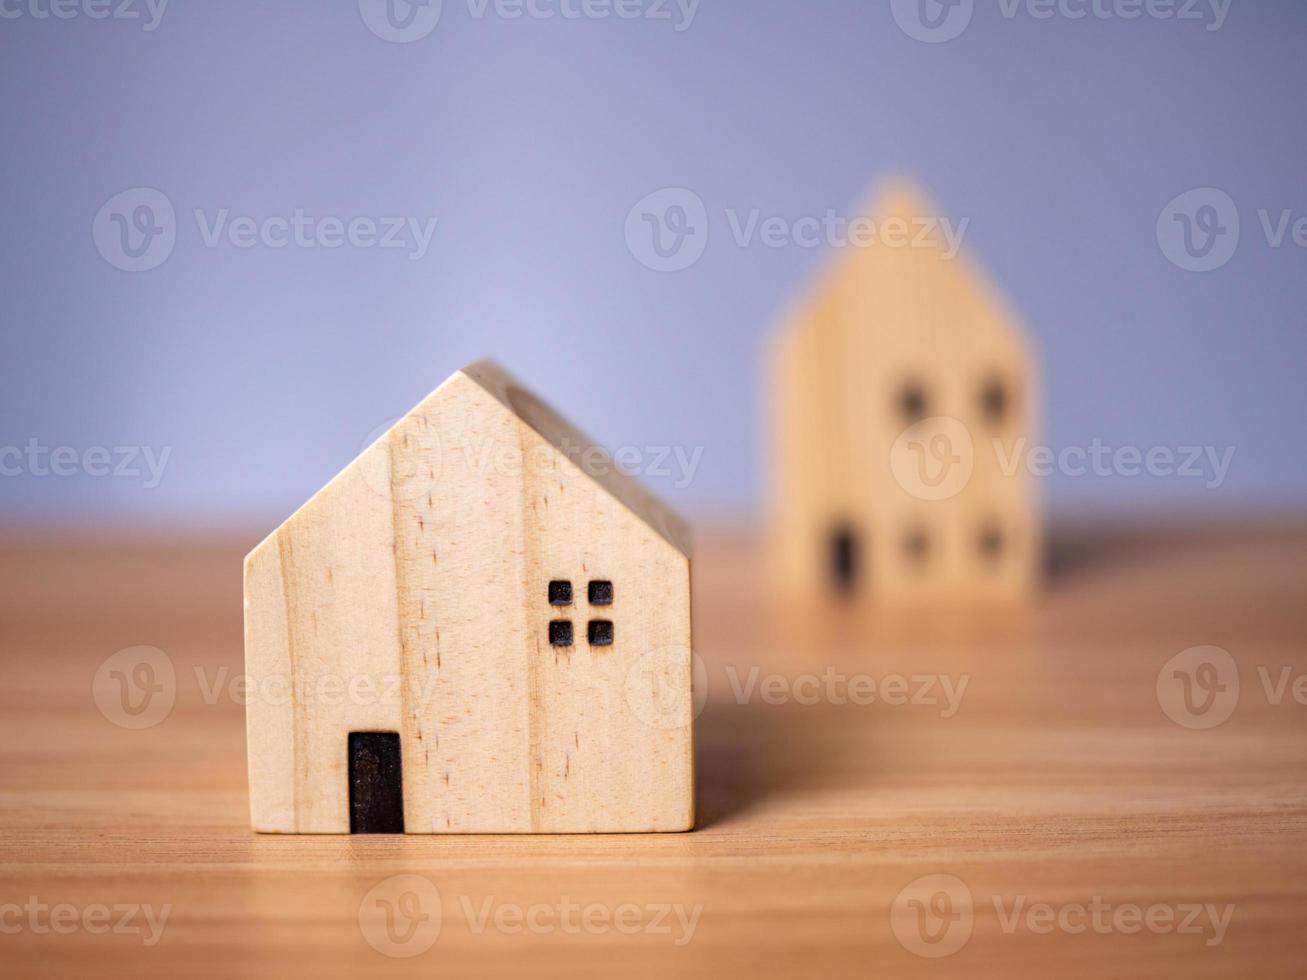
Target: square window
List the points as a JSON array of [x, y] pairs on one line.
[[994, 401], [601, 632], [601, 593], [912, 402], [991, 542], [916, 545], [560, 592], [560, 633]]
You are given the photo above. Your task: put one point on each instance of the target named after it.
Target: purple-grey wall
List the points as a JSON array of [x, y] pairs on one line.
[[1061, 139]]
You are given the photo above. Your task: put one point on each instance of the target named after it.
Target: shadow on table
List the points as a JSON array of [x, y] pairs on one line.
[[1080, 553], [749, 753], [731, 745]]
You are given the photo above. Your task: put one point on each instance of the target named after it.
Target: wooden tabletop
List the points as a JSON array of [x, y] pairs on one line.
[[1112, 782]]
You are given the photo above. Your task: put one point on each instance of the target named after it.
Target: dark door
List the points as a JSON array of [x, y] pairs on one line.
[[843, 559], [376, 788]]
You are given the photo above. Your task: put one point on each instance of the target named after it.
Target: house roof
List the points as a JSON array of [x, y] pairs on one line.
[[582, 451], [904, 200], [570, 443]]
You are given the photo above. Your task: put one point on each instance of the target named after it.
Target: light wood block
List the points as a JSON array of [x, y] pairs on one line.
[[901, 391], [412, 595]]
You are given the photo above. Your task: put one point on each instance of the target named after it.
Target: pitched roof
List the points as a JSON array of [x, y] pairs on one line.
[[903, 200], [577, 448], [582, 451]]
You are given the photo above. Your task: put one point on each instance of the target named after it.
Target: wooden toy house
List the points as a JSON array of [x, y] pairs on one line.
[[902, 398], [479, 626]]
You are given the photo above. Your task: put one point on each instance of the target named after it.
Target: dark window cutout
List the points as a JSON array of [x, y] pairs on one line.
[[601, 633], [560, 592], [601, 593], [912, 403], [916, 545], [843, 558], [991, 543], [560, 633], [994, 401], [376, 787]]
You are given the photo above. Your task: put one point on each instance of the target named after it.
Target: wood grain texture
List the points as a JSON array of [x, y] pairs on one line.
[[1058, 779], [411, 595], [902, 395]]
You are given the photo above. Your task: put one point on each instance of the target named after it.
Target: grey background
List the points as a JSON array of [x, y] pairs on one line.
[[1061, 141]]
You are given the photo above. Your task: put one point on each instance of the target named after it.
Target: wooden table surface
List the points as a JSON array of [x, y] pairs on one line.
[[1009, 794]]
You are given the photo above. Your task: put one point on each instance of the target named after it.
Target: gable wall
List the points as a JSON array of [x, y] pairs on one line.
[[442, 540]]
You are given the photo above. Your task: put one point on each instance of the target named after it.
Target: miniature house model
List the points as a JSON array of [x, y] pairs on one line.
[[479, 626], [902, 393]]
